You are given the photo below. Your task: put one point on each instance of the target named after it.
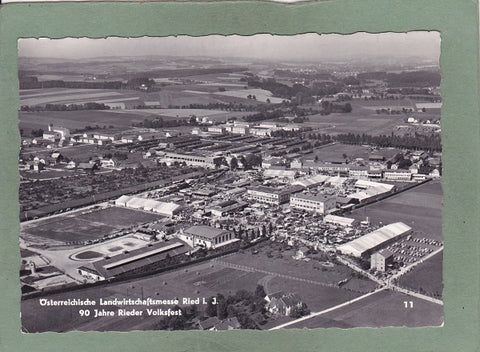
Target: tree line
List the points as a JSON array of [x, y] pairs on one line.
[[65, 107], [160, 122], [32, 82], [430, 142]]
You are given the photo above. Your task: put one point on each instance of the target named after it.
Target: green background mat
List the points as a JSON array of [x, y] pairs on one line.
[[457, 20]]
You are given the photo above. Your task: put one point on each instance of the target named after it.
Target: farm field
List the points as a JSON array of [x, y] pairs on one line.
[[385, 308], [215, 115], [363, 118], [171, 95], [394, 104], [355, 122], [419, 208], [75, 119], [289, 267], [201, 280], [77, 227], [426, 277], [47, 174], [117, 118], [336, 151], [54, 92], [260, 94], [68, 97]]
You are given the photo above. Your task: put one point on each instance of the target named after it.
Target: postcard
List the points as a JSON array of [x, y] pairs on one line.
[[256, 182]]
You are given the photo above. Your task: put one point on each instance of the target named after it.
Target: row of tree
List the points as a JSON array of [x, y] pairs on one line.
[[34, 83], [64, 107], [431, 142], [330, 107], [160, 122]]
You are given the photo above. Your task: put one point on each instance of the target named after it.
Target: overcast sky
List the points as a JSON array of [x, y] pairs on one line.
[[263, 46]]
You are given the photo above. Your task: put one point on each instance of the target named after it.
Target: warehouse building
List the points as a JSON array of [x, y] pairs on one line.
[[370, 190], [316, 203], [206, 236], [313, 181], [226, 207], [397, 175], [210, 162], [136, 261], [162, 208], [365, 245], [338, 220], [279, 172]]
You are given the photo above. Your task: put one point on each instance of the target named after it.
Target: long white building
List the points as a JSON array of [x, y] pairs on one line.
[[161, 208], [365, 245]]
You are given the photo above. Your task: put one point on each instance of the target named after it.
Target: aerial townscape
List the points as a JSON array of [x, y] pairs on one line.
[[220, 192]]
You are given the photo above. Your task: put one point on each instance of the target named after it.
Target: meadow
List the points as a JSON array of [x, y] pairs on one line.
[[425, 277], [382, 309], [419, 208], [337, 150]]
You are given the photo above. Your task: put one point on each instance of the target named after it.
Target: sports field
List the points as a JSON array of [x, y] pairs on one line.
[[385, 308], [110, 248], [419, 208], [78, 227]]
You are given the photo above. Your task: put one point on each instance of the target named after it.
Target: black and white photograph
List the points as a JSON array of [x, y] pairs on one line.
[[256, 182]]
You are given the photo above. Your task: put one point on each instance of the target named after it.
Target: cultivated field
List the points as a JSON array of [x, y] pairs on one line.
[[68, 97], [76, 119], [419, 208], [384, 308], [336, 151], [355, 122], [215, 115], [116, 118], [363, 118], [260, 95], [426, 277], [78, 228]]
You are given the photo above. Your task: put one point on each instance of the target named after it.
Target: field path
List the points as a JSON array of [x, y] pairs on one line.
[[264, 282]]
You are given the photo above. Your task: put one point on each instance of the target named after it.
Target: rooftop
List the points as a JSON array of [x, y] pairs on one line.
[[362, 244], [205, 231], [313, 197], [138, 258]]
